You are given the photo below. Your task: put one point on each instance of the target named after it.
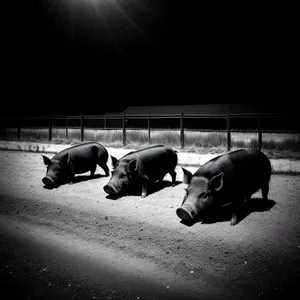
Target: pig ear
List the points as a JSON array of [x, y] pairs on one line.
[[133, 165], [66, 158], [114, 161], [187, 175], [47, 160], [216, 182]]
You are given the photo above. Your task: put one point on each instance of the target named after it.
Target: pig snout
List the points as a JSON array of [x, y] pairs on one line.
[[48, 181], [186, 212], [110, 189]]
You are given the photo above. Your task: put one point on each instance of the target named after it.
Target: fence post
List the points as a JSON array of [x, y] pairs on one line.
[[124, 130], [149, 139], [50, 128], [228, 132], [181, 131], [104, 122], [67, 125], [259, 132], [81, 127]]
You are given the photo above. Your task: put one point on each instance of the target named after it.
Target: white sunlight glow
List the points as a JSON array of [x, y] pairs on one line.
[[115, 19]]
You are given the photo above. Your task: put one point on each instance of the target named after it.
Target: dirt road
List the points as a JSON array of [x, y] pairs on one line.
[[74, 243]]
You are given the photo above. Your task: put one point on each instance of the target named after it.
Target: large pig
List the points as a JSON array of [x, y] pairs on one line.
[[139, 168], [228, 179], [77, 159]]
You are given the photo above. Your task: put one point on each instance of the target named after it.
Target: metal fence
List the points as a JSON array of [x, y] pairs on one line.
[[125, 121]]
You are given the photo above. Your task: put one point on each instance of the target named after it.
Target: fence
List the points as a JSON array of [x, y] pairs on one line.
[[149, 119]]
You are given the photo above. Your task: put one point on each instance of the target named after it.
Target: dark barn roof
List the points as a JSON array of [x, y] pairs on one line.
[[204, 108]]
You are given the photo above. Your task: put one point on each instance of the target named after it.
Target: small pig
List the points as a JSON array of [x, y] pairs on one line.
[[139, 168], [77, 159], [226, 179]]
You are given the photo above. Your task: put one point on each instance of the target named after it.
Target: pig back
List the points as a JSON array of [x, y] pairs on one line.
[[83, 156], [245, 171], [156, 160]]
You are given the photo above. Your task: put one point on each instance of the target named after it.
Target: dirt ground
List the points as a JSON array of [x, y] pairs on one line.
[[73, 242]]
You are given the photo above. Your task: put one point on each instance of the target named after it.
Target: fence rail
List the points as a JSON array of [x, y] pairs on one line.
[[18, 122]]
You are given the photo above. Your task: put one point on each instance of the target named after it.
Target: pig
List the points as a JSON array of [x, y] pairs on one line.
[[139, 168], [77, 159], [229, 179]]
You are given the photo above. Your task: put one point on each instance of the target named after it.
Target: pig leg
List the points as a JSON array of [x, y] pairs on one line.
[[265, 191], [173, 175], [238, 208], [71, 173], [145, 182], [71, 178], [105, 168], [93, 169]]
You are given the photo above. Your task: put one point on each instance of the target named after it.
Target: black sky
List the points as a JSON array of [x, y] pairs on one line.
[[145, 52]]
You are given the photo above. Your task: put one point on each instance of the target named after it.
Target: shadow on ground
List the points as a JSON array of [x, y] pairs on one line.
[[152, 188], [225, 213], [77, 179]]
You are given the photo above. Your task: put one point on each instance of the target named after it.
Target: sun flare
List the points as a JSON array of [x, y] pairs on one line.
[[115, 19]]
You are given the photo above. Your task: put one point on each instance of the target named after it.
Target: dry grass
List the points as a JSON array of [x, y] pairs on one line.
[[274, 144]]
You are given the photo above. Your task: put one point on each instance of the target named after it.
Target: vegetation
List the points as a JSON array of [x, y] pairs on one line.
[[279, 145]]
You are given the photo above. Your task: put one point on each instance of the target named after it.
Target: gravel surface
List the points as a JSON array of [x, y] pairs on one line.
[[72, 242]]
